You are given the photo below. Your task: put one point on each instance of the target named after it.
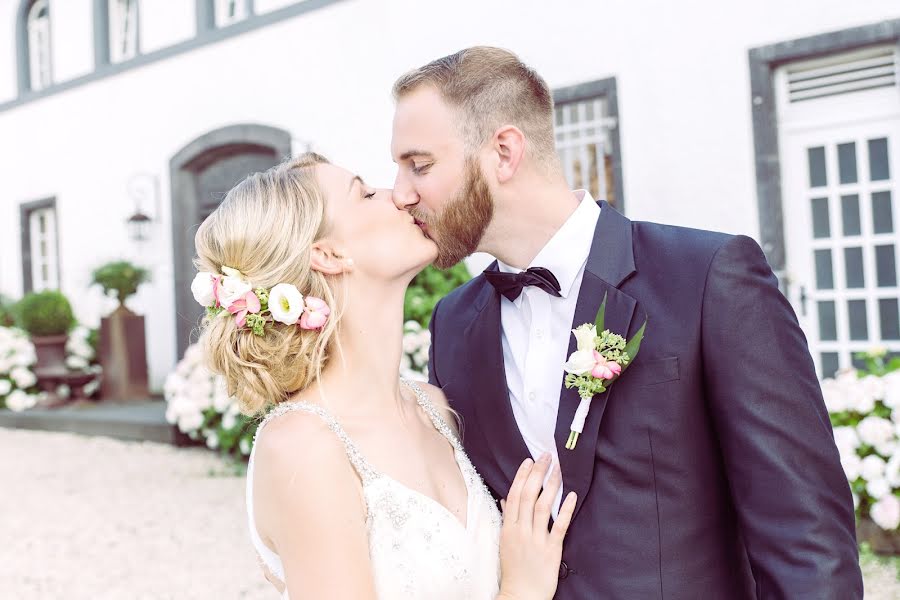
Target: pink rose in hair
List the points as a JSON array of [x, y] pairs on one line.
[[315, 315], [248, 303]]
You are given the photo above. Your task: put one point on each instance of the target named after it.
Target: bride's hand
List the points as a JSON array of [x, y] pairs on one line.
[[529, 554]]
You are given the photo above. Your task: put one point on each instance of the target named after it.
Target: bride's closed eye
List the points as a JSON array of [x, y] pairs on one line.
[[370, 194]]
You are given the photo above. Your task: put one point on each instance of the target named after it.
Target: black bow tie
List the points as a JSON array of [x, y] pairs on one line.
[[512, 284]]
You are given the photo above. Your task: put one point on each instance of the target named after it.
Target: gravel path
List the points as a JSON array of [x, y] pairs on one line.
[[97, 518]]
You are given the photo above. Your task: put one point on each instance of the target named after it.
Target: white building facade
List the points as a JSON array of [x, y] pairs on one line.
[[776, 120]]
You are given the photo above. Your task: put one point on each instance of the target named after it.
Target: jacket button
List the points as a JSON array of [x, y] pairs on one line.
[[563, 570]]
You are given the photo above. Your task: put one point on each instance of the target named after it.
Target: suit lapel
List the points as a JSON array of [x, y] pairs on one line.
[[609, 264], [492, 406]]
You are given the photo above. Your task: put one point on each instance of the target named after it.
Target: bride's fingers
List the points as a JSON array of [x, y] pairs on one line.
[[532, 489], [546, 500], [561, 525], [511, 512]]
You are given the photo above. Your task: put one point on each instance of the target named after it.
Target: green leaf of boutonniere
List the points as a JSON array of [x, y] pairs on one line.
[[601, 316]]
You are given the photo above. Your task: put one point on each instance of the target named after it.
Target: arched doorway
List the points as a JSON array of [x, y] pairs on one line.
[[201, 173]]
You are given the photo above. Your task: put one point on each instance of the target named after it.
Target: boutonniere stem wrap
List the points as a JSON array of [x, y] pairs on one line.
[[600, 359]]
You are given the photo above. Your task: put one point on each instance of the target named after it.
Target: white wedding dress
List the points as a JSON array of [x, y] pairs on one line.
[[419, 549]]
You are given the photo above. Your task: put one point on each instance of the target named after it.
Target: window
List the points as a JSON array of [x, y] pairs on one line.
[[38, 27], [585, 121], [231, 11], [40, 251], [123, 29]]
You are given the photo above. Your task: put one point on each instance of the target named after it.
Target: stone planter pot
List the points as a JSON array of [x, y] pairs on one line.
[[51, 351], [881, 541], [123, 356]]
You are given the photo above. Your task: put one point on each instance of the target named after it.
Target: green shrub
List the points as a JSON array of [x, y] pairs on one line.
[[7, 313], [428, 288], [120, 279], [45, 313]]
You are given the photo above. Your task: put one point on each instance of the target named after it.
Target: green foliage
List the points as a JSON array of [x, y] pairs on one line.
[[428, 288], [45, 313], [7, 313], [120, 279]]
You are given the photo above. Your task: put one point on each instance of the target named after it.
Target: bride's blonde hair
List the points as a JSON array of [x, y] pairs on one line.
[[265, 228]]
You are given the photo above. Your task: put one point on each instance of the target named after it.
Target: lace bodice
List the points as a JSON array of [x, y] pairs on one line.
[[419, 549]]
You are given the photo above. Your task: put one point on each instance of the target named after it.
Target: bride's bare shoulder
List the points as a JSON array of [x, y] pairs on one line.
[[298, 444]]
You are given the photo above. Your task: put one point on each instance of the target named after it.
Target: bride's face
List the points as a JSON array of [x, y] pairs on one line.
[[365, 225]]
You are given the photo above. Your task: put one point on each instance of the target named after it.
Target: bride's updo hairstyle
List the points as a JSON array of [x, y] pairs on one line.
[[265, 228]]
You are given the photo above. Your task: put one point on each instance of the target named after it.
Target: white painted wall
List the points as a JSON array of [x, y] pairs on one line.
[[325, 76]]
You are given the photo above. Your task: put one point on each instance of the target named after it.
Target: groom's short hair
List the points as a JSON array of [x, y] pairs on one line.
[[490, 87]]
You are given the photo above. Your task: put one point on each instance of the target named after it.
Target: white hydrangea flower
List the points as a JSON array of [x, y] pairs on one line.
[[874, 386], [212, 440], [835, 396], [886, 512], [852, 465], [76, 362], [873, 467], [892, 470], [244, 446], [875, 431], [878, 488], [229, 420], [846, 439], [18, 401], [23, 377], [5, 387]]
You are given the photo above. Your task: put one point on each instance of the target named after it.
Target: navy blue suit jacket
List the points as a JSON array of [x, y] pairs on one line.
[[709, 469]]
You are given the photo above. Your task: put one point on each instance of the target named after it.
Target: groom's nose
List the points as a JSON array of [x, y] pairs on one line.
[[404, 195]]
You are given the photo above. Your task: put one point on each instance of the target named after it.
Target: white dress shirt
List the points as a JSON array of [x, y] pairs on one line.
[[536, 328]]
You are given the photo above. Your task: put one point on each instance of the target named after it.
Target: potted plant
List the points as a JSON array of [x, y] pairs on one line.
[[123, 349], [47, 317]]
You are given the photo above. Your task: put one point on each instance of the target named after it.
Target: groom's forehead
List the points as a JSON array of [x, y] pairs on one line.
[[422, 122]]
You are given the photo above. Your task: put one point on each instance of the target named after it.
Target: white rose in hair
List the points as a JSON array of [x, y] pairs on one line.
[[872, 467], [875, 431], [878, 488], [203, 289], [286, 303], [232, 288], [886, 512]]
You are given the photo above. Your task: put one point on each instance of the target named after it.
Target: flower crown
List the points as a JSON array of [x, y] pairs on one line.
[[231, 293]]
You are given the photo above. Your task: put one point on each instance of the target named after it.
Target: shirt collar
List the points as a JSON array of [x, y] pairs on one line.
[[567, 251]]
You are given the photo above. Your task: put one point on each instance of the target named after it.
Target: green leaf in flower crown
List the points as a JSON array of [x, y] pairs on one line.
[[601, 316], [634, 344]]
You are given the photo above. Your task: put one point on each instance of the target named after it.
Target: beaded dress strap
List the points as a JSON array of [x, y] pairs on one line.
[[366, 473], [436, 419]]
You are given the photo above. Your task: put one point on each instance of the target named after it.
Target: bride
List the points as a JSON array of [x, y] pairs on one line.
[[357, 487]]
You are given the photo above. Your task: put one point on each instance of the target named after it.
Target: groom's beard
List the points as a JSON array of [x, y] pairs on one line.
[[458, 228]]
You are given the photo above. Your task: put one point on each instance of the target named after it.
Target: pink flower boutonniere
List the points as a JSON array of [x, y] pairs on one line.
[[600, 358]]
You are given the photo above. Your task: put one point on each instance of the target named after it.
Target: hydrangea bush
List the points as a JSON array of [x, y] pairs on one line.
[[199, 404], [865, 414], [18, 383]]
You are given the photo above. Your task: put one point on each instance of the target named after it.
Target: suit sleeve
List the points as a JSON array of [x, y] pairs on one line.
[[432, 328], [792, 499]]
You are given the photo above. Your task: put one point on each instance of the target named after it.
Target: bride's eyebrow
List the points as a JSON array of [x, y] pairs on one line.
[[354, 180]]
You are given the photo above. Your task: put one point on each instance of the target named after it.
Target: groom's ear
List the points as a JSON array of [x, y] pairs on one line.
[[509, 145], [325, 259]]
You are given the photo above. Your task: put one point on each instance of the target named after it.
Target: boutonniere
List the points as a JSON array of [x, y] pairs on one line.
[[601, 358]]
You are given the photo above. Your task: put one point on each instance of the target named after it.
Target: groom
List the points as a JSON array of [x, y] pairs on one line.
[[709, 469]]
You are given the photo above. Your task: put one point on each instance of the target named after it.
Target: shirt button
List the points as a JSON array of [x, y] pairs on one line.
[[532, 396], [539, 333]]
